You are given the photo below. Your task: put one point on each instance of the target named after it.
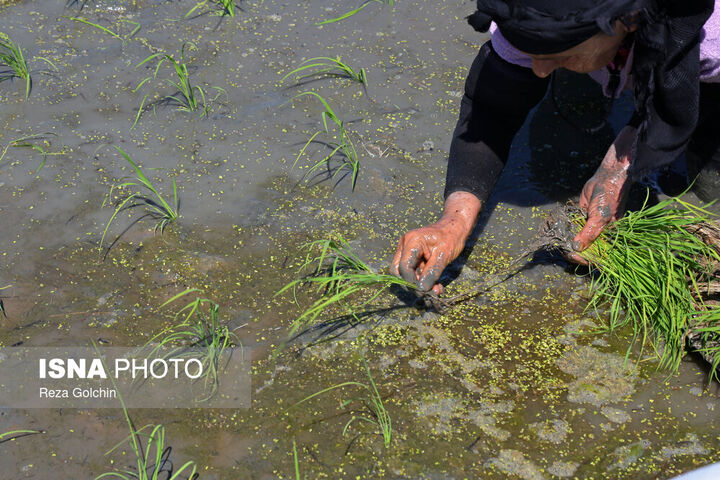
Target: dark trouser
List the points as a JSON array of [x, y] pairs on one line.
[[703, 151]]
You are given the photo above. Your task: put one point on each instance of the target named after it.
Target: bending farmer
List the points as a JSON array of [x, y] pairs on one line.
[[668, 50]]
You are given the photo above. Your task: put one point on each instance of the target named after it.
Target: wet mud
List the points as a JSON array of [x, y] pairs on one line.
[[519, 382]]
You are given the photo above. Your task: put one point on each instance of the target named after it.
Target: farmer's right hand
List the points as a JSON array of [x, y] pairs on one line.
[[423, 254]]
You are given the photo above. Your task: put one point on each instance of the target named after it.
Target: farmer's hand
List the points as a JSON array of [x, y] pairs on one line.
[[603, 196], [423, 254]]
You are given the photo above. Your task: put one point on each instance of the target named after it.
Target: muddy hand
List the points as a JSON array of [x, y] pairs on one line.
[[423, 254], [603, 197]]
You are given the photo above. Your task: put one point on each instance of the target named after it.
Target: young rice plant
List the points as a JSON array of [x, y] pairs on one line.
[[27, 141], [356, 10], [341, 278], [374, 410], [341, 146], [144, 195], [327, 66], [123, 39], [14, 65], [188, 97], [199, 334], [219, 8], [147, 444]]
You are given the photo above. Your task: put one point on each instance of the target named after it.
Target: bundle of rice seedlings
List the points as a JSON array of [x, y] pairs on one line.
[[658, 270]]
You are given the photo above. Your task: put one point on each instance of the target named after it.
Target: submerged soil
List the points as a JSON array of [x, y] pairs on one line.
[[517, 383]]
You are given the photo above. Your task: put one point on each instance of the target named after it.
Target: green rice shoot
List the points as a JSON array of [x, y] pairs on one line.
[[371, 402], [123, 39], [651, 271], [341, 145], [219, 8], [142, 193], [31, 142], [356, 10], [341, 279], [148, 446], [199, 333], [188, 97], [327, 66], [295, 461], [14, 434], [13, 63]]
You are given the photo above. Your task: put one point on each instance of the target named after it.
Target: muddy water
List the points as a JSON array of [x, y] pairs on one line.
[[511, 385]]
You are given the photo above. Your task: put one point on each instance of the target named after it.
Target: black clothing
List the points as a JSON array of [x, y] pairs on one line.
[[498, 97], [666, 67], [551, 26]]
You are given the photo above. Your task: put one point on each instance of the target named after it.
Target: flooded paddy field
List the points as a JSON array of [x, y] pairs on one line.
[[518, 383]]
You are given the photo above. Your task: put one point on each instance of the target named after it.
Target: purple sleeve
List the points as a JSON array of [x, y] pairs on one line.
[[710, 49]]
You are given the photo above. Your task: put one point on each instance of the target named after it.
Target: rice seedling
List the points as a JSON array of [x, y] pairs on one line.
[[340, 276], [356, 10], [651, 270], [342, 145], [157, 207], [152, 456], [327, 65], [214, 7], [189, 97], [295, 460], [15, 64], [12, 435], [27, 142], [199, 334], [374, 411], [123, 39]]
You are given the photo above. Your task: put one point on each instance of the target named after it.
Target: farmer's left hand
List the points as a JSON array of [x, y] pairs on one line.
[[603, 197]]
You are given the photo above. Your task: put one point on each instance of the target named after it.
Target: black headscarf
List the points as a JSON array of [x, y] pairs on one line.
[[666, 63]]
